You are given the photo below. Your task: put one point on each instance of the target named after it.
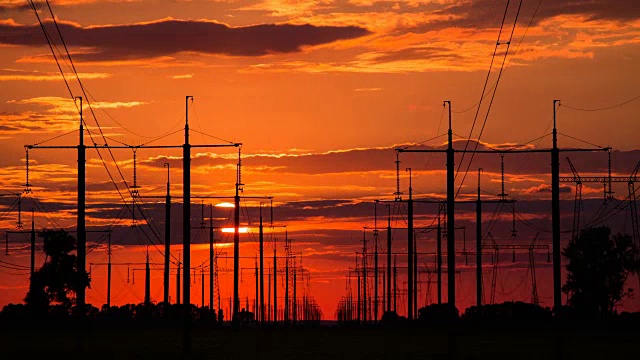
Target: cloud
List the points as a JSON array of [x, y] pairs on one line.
[[170, 37], [23, 5], [185, 76], [50, 114], [25, 75]]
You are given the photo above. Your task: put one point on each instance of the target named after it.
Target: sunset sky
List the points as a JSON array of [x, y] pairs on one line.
[[319, 93]]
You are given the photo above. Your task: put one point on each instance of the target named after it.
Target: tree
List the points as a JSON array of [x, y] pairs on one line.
[[58, 278], [598, 268]]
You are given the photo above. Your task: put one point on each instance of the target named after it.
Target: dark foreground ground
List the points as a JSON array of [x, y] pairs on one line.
[[495, 342]]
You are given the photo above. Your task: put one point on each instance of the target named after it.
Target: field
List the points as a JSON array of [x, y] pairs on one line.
[[326, 343]]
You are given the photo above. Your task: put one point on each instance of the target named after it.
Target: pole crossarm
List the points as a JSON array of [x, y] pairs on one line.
[[515, 151], [130, 146], [230, 197], [600, 179], [515, 247]]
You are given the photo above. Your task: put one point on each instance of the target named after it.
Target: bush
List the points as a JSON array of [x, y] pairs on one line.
[[438, 314], [508, 311]]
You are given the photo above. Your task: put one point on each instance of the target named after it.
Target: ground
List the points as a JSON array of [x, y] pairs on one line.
[[327, 343]]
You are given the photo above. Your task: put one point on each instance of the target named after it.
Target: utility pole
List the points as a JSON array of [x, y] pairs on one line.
[[186, 212], [202, 304], [167, 237], [451, 244], [109, 271], [236, 245], [147, 282], [359, 300], [82, 229], [439, 255], [410, 236], [186, 230], [555, 214], [389, 261], [211, 260], [295, 295], [364, 275], [415, 275], [275, 287], [178, 281], [395, 283], [375, 264], [257, 306], [479, 246], [286, 278], [262, 313], [33, 245]]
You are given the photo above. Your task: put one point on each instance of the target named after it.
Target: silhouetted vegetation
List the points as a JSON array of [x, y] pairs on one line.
[[508, 311], [438, 314], [55, 282], [137, 315], [598, 268]]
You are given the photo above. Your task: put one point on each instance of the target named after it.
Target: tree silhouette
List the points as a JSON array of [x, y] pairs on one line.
[[58, 278], [598, 268]]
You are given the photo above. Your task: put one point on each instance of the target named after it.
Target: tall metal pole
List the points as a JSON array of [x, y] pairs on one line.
[[410, 251], [186, 210], [375, 263], [295, 295], [82, 229], [389, 259], [147, 282], [359, 302], [364, 275], [439, 259], [236, 247], [555, 214], [257, 291], [395, 284], [261, 268], [211, 259], [415, 275], [202, 287], [275, 286], [384, 292], [33, 244], [286, 277], [479, 247], [167, 237], [109, 271], [178, 282], [451, 245]]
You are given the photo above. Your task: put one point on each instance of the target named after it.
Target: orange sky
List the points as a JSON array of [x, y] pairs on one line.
[[319, 93]]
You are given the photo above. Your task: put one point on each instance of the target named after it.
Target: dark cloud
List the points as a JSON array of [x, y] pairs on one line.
[[484, 14], [383, 158], [169, 37]]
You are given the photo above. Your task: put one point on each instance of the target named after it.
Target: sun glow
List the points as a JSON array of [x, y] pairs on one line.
[[225, 205], [242, 230]]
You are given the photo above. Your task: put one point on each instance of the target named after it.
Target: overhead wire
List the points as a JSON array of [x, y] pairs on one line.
[[603, 108], [477, 142], [484, 87], [90, 108]]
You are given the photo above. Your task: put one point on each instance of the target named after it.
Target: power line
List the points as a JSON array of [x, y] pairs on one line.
[[484, 87], [604, 108], [495, 90]]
